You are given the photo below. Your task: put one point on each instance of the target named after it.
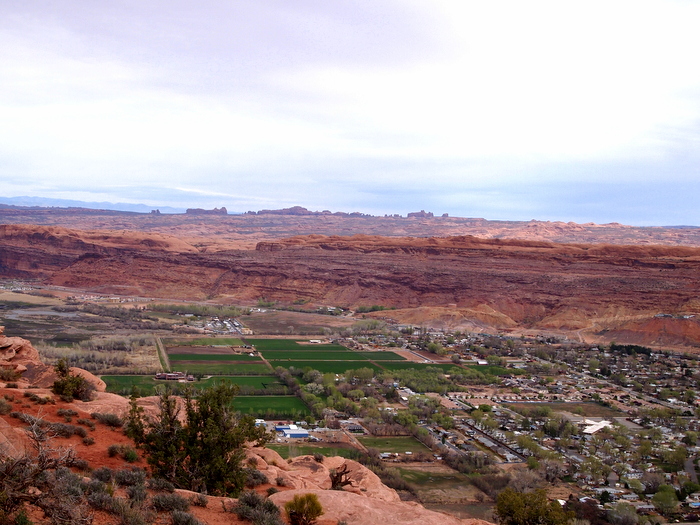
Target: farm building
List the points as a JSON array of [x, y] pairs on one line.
[[292, 431]]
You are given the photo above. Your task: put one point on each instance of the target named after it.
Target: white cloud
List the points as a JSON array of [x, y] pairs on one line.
[[461, 92]]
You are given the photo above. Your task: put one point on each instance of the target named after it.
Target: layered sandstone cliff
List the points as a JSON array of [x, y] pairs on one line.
[[490, 283]]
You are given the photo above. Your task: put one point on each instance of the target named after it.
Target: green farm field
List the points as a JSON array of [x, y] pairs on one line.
[[147, 385], [432, 480], [274, 344], [213, 357], [381, 356], [398, 444], [221, 368], [204, 341], [312, 355], [290, 344], [335, 367], [271, 405], [390, 365]]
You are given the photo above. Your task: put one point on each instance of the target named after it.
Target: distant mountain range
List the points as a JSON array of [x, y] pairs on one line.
[[66, 203]]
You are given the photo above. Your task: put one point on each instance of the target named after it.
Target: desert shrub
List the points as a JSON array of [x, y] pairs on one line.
[[22, 519], [69, 480], [253, 507], [8, 375], [126, 452], [85, 421], [69, 386], [103, 474], [137, 493], [272, 490], [184, 518], [129, 454], [25, 418], [93, 486], [303, 509], [88, 441], [12, 385], [65, 430], [111, 420], [130, 477], [66, 412], [80, 464], [199, 500], [160, 484], [254, 477], [280, 481], [169, 502], [40, 400], [129, 515], [100, 501], [318, 457], [5, 407]]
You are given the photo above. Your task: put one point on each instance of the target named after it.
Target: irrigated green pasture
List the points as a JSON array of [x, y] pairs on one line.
[[262, 406], [264, 345], [398, 444], [381, 356], [389, 365], [204, 341], [147, 385], [217, 368], [335, 367], [274, 344], [312, 355], [213, 357]]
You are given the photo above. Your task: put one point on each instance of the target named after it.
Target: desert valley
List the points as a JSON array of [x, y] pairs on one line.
[[439, 364]]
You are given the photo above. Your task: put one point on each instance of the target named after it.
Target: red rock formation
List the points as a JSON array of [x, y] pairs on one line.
[[488, 282]]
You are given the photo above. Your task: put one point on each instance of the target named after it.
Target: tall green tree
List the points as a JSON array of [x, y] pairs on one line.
[[529, 508], [202, 451]]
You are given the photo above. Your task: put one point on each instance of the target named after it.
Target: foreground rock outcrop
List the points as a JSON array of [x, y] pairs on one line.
[[365, 501], [356, 509]]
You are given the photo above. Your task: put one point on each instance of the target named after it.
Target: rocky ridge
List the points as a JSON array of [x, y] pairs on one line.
[[458, 282]]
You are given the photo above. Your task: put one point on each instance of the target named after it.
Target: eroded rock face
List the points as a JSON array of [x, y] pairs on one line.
[[304, 472], [19, 355], [480, 283], [356, 509], [365, 501]]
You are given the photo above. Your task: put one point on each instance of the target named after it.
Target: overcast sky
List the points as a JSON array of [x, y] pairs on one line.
[[582, 111]]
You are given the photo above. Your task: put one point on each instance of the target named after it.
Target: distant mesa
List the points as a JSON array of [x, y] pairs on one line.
[[299, 210], [200, 211], [421, 214]]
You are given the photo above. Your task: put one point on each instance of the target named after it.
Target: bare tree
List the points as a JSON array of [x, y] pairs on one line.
[[41, 477]]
